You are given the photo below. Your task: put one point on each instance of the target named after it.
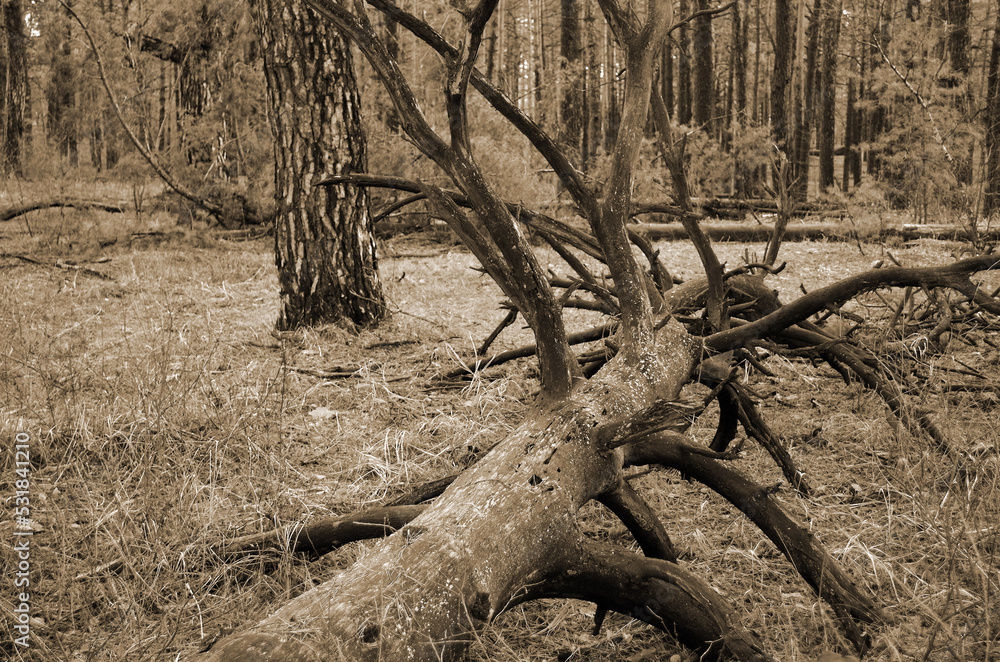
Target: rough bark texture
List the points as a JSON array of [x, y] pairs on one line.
[[828, 92], [991, 203], [805, 113], [784, 46], [324, 247], [704, 82], [684, 67], [571, 52], [13, 85]]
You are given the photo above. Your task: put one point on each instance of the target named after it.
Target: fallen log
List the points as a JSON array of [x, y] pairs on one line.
[[77, 203], [744, 232]]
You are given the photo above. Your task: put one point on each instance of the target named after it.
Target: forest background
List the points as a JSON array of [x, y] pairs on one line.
[[890, 103]]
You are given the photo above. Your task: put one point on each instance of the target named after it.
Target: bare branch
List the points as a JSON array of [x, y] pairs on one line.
[[568, 174], [815, 565], [658, 592], [641, 520], [208, 206], [529, 290], [609, 226], [954, 276]]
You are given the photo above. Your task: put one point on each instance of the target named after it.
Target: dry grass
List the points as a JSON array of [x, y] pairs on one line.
[[164, 414]]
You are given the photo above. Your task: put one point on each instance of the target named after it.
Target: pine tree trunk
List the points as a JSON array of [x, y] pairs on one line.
[[784, 47], [612, 107], [704, 81], [806, 112], [324, 248], [592, 92], [13, 86], [742, 175], [684, 68], [828, 92], [667, 77], [571, 52], [991, 203], [851, 134]]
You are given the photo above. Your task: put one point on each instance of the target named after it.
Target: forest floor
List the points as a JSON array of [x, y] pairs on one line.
[[164, 414]]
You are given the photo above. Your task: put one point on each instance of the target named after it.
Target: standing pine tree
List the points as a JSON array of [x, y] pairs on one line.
[[324, 248]]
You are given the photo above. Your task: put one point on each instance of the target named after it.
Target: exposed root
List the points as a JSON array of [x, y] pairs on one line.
[[854, 609]]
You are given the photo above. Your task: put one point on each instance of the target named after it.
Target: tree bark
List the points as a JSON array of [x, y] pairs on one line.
[[704, 81], [784, 47], [684, 67], [958, 36], [324, 246], [571, 52], [991, 201], [828, 92], [500, 527], [805, 108], [13, 86]]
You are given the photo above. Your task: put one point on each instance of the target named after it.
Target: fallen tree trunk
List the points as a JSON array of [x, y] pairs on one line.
[[77, 203], [811, 231], [503, 526]]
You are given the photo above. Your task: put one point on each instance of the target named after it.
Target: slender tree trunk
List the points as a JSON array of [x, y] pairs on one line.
[[61, 95], [958, 36], [592, 126], [738, 119], [667, 77], [784, 47], [684, 68], [828, 92], [878, 112], [612, 108], [806, 110], [851, 130], [571, 52], [324, 248], [958, 54], [704, 80], [991, 203], [13, 87]]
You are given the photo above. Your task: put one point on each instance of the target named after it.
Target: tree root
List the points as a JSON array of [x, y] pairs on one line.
[[658, 592], [641, 520], [322, 536], [814, 564]]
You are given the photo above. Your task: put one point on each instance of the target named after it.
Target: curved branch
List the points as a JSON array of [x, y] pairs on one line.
[[396, 206], [210, 207], [658, 592], [588, 335], [579, 239], [840, 355], [324, 535], [640, 519], [954, 276], [816, 566], [570, 177], [11, 213], [529, 290]]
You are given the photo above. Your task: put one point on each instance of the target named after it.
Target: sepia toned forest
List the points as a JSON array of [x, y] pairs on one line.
[[895, 101], [500, 330]]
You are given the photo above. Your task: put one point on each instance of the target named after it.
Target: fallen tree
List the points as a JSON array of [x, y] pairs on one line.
[[506, 530], [16, 211]]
